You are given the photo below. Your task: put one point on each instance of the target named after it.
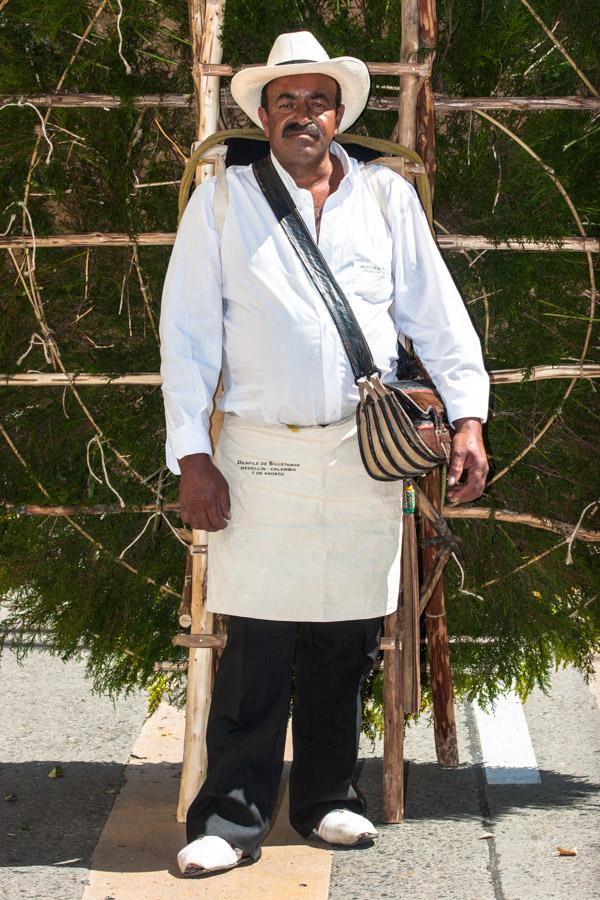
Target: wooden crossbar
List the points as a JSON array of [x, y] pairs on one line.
[[450, 512], [442, 102], [149, 379], [450, 242], [423, 70], [220, 640]]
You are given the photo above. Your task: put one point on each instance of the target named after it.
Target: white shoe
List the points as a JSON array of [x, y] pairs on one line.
[[206, 855], [341, 826]]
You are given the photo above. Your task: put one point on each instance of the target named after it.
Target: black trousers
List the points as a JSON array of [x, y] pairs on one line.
[[329, 662]]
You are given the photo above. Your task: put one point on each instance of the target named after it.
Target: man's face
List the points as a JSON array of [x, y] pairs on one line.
[[301, 118]]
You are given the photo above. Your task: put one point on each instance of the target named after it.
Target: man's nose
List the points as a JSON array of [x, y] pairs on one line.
[[304, 110]]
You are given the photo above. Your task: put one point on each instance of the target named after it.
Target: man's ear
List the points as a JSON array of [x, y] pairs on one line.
[[264, 119], [339, 115]]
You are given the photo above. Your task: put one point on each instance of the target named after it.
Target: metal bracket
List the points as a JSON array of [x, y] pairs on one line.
[[198, 549]]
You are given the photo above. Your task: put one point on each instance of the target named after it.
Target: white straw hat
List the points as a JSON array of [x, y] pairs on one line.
[[300, 53]]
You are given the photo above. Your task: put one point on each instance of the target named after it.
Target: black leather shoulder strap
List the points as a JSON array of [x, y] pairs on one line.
[[316, 267]]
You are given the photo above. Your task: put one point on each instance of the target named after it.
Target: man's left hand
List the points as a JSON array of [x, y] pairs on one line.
[[468, 454]]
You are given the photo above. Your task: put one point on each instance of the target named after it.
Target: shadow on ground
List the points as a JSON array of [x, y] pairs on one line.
[[57, 821], [436, 793]]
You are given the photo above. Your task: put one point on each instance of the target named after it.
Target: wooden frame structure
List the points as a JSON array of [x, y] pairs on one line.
[[401, 640], [416, 104]]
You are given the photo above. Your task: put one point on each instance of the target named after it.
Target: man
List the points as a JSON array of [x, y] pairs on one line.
[[304, 548]]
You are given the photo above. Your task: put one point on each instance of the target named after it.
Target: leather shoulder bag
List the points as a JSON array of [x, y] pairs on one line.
[[402, 426]]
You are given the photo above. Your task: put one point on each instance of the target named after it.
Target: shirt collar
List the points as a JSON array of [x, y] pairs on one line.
[[349, 166]]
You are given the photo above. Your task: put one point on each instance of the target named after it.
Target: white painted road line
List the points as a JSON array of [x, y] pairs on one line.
[[506, 748]]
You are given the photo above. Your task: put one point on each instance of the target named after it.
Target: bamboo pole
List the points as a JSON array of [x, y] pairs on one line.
[[150, 379], [543, 373], [199, 684], [442, 102], [206, 18], [89, 239], [460, 242], [450, 242]]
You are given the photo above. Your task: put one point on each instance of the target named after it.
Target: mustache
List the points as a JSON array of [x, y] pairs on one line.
[[311, 128]]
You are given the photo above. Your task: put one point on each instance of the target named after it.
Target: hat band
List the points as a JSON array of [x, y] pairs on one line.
[[295, 62]]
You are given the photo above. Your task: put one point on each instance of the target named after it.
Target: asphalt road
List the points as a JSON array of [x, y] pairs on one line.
[[463, 838], [49, 826], [466, 839]]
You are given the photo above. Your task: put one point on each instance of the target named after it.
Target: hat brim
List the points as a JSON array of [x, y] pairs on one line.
[[350, 73]]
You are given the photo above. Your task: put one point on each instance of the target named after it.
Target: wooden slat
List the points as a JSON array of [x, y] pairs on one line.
[[199, 640]]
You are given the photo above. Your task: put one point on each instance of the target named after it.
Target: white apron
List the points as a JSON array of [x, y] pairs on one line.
[[312, 538]]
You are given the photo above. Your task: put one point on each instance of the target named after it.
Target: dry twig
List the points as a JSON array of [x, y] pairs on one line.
[[588, 334], [560, 46], [88, 537]]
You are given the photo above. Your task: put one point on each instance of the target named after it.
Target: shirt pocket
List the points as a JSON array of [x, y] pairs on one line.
[[372, 268]]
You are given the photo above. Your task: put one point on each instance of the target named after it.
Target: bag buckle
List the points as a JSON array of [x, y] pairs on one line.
[[366, 379]]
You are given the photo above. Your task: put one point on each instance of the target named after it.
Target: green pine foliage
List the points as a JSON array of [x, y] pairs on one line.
[[530, 308]]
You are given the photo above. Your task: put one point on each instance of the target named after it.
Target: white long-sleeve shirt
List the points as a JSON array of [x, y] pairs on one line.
[[243, 302]]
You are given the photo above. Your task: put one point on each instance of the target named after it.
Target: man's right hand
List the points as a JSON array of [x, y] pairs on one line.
[[203, 493]]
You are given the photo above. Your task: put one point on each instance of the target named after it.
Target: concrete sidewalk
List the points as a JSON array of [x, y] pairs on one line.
[[136, 854], [50, 720]]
